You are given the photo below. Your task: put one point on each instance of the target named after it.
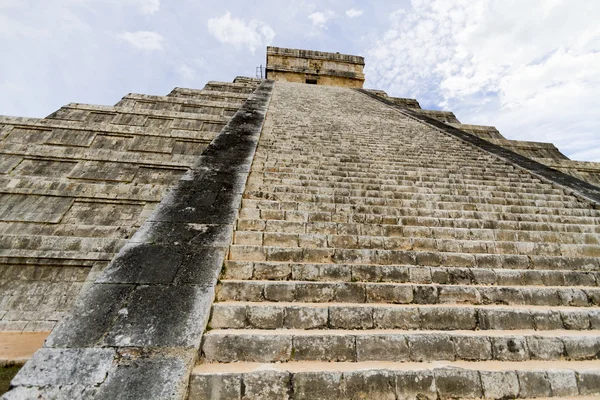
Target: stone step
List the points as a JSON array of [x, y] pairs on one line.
[[398, 167], [132, 98], [436, 202], [177, 104], [415, 176], [430, 183], [400, 187], [393, 180], [402, 293], [282, 271], [311, 212], [74, 230], [475, 245], [268, 315], [60, 243], [225, 346], [362, 175], [406, 257], [388, 193], [203, 94], [333, 156], [335, 159], [106, 115], [502, 231], [394, 380], [230, 87]]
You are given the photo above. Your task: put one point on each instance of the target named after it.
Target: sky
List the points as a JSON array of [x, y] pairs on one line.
[[529, 67]]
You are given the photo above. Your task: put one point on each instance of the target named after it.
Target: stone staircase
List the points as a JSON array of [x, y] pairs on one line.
[[378, 258]]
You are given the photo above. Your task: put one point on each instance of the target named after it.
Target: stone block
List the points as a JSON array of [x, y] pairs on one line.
[[350, 293], [510, 348], [431, 347], [581, 348], [382, 347], [300, 317], [533, 384], [499, 384], [576, 320], [265, 317], [396, 317], [324, 348], [454, 383], [472, 348], [545, 348], [228, 316], [504, 319], [448, 318], [389, 293], [369, 384], [280, 292], [351, 317], [459, 295], [266, 385], [563, 383], [240, 291], [215, 387], [588, 382], [425, 294], [546, 320], [317, 385], [416, 385], [225, 347]]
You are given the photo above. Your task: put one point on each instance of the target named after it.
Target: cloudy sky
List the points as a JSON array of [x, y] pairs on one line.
[[529, 67]]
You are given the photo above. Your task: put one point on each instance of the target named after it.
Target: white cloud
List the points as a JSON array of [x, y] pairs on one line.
[[186, 72], [11, 28], [144, 40], [353, 13], [237, 32], [319, 19], [529, 68], [147, 7]]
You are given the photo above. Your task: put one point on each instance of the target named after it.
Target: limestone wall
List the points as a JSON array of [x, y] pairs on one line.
[[76, 185]]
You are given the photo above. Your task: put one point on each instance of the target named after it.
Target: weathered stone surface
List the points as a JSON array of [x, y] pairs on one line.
[[161, 316], [370, 385], [382, 348], [533, 384], [455, 383], [413, 385], [325, 348], [499, 384], [92, 317], [64, 367], [317, 386], [153, 376], [221, 387], [137, 302], [266, 385]]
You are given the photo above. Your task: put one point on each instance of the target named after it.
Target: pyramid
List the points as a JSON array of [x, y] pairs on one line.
[[294, 237]]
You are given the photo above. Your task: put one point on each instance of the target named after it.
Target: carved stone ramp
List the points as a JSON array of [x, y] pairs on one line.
[[376, 257], [135, 332]]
